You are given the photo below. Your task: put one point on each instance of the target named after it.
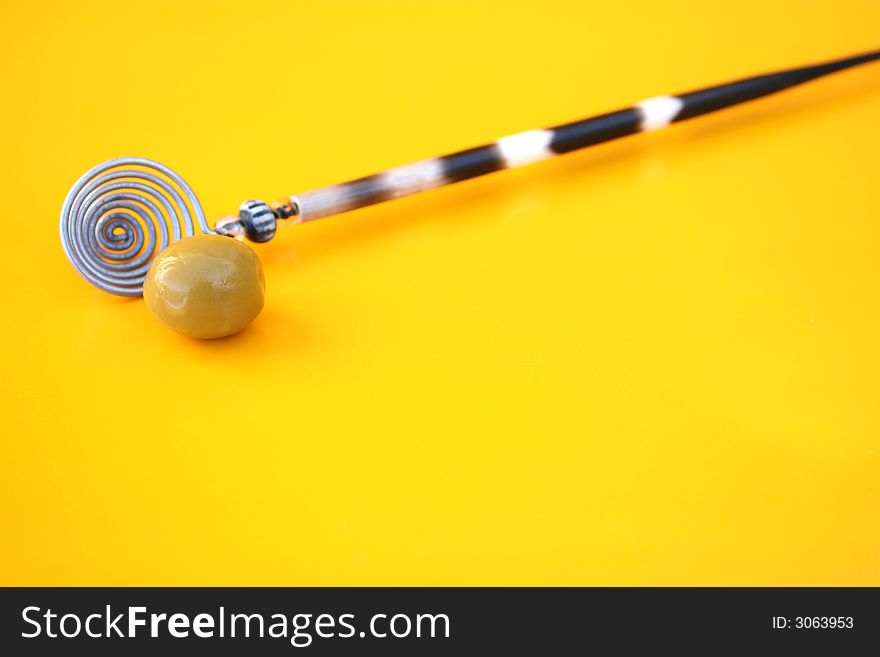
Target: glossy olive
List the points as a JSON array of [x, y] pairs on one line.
[[205, 286]]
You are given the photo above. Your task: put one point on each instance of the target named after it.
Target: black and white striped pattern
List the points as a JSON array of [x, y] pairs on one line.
[[536, 145]]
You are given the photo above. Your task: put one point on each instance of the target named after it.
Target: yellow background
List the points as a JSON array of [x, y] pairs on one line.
[[655, 362]]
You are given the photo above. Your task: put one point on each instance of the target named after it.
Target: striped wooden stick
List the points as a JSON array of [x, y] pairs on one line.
[[257, 220]]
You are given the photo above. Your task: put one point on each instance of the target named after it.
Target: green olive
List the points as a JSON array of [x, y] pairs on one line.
[[205, 286]]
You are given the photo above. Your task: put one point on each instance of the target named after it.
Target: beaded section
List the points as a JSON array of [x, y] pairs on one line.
[[258, 221]]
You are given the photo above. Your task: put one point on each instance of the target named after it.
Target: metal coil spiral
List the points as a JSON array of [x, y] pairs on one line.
[[121, 214]]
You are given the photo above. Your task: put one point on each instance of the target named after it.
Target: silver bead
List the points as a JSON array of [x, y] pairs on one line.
[[258, 220]]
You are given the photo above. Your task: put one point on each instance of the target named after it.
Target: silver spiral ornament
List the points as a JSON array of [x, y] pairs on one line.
[[119, 215]]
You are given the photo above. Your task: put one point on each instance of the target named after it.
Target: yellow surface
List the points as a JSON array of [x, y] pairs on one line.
[[655, 362]]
